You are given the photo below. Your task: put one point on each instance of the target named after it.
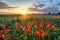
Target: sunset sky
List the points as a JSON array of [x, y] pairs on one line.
[[16, 5]]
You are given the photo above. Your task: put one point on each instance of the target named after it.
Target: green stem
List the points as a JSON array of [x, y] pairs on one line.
[[37, 38], [4, 35], [42, 38], [48, 37]]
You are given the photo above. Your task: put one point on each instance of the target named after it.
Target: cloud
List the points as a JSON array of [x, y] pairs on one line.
[[36, 6], [4, 5], [51, 9], [58, 4], [41, 5], [46, 10], [31, 9]]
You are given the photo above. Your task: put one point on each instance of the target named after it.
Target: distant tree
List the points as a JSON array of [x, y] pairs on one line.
[[59, 13], [49, 13]]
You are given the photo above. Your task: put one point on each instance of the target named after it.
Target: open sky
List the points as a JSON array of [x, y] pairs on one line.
[[29, 3]]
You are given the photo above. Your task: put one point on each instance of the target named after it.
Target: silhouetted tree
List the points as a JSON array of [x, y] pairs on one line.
[[49, 13], [59, 13]]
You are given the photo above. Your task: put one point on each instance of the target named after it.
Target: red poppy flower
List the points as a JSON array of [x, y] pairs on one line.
[[37, 33], [7, 30], [15, 38], [21, 27], [29, 25], [27, 31], [58, 18], [34, 21], [43, 34], [1, 31], [53, 28], [8, 36], [49, 22], [48, 26], [35, 27], [42, 29], [42, 21], [41, 25], [39, 21], [16, 26], [3, 26], [2, 36]]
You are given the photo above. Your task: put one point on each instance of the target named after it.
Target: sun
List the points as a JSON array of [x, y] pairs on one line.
[[23, 11]]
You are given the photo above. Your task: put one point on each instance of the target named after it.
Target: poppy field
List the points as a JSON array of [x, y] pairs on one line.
[[35, 28]]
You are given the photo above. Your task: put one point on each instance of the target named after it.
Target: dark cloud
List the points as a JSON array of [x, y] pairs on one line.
[[36, 6], [51, 1], [58, 4], [41, 5], [4, 5], [46, 10], [51, 9]]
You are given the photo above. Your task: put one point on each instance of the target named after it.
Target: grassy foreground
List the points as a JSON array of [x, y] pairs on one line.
[[37, 27]]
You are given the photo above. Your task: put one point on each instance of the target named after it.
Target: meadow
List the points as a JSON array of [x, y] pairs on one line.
[[30, 27]]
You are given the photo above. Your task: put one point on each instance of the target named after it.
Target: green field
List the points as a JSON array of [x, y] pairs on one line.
[[30, 27]]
